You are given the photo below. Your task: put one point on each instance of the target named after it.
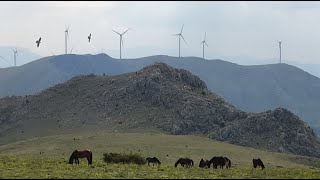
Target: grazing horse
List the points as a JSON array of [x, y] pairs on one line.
[[153, 160], [220, 161], [184, 161], [204, 163], [80, 154], [258, 162]]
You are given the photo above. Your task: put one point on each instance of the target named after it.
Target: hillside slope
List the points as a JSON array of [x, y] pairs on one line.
[[158, 96], [249, 88]]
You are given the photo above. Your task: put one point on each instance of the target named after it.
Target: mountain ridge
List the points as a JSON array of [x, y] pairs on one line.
[[251, 88], [157, 96]]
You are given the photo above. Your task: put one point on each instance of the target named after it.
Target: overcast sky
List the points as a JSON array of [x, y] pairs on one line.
[[233, 28]]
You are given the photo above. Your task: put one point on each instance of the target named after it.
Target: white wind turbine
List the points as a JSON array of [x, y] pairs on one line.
[[15, 52], [280, 50], [66, 37], [204, 42], [180, 35], [121, 41]]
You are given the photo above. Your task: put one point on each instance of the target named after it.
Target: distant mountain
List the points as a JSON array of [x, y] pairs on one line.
[[251, 88], [158, 96]]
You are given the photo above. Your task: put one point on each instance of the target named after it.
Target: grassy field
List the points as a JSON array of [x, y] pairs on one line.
[[23, 159]]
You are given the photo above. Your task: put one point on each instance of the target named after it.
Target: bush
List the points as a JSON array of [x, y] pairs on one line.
[[123, 158]]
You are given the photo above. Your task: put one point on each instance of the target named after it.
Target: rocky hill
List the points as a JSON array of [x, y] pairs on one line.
[[158, 96], [249, 88]]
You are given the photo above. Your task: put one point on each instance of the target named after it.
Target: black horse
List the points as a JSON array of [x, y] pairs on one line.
[[80, 154], [204, 163], [258, 162], [153, 160], [220, 161], [184, 162]]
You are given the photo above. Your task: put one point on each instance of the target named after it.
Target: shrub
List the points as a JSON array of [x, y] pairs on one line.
[[123, 158]]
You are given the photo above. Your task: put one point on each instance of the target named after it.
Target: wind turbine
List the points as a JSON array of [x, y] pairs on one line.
[[15, 52], [180, 35], [280, 50], [121, 41], [204, 42], [66, 37]]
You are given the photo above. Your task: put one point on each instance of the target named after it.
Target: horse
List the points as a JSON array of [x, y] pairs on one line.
[[184, 161], [258, 162], [220, 161], [153, 160], [80, 154], [204, 163]]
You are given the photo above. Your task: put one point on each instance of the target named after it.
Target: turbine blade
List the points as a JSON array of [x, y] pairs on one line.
[[126, 31], [181, 29], [184, 39], [116, 32], [205, 34], [2, 58], [206, 43]]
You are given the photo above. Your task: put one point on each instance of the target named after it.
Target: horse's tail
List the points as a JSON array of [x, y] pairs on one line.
[[90, 162]]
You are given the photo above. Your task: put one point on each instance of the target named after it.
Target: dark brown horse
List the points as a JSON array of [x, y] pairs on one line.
[[220, 161], [80, 154], [204, 163], [258, 162], [184, 162], [153, 160]]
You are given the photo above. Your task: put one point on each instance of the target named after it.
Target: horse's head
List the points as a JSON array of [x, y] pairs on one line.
[[176, 164], [71, 159]]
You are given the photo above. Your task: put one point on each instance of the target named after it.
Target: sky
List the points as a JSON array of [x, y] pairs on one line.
[[246, 31]]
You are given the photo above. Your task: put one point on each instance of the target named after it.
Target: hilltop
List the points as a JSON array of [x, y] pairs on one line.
[[156, 97], [249, 88]]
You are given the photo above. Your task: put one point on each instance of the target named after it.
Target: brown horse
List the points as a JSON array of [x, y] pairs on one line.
[[153, 160], [80, 154], [258, 162], [204, 163], [184, 162], [220, 161]]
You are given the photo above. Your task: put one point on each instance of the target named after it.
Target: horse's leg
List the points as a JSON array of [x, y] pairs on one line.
[[88, 161]]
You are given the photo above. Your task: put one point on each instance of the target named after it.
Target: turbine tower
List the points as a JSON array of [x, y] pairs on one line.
[[66, 37], [280, 50], [204, 42], [15, 52], [121, 41], [180, 35]]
